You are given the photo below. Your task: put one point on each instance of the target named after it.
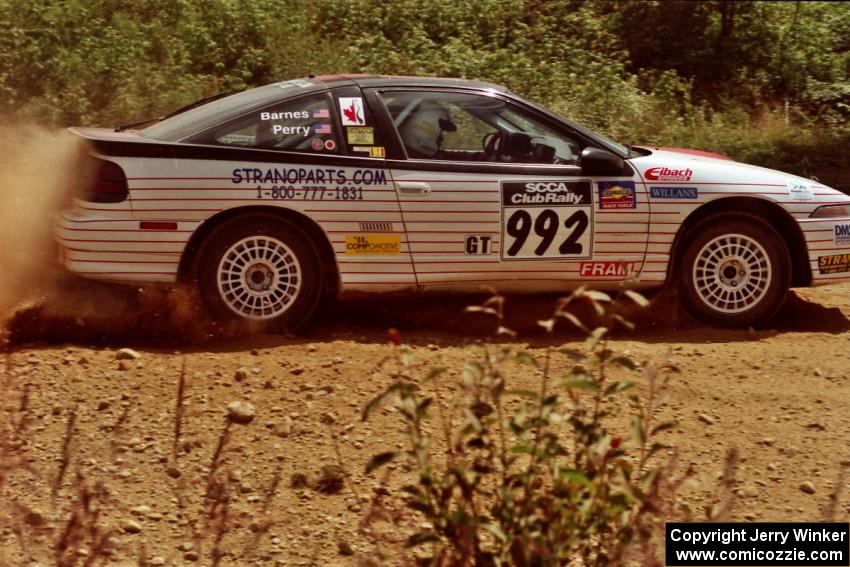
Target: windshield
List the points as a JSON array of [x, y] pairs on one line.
[[605, 141], [200, 118]]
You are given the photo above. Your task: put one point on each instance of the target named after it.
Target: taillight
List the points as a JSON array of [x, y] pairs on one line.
[[104, 182]]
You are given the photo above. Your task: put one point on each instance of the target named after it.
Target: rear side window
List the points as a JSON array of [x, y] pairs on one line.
[[302, 125]]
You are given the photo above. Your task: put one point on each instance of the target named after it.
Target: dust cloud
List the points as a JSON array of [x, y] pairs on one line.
[[39, 300], [36, 179]]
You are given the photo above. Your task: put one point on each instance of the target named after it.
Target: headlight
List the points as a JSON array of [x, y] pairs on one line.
[[827, 211]]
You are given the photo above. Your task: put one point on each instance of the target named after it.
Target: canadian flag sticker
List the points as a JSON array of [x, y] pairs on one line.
[[351, 109]]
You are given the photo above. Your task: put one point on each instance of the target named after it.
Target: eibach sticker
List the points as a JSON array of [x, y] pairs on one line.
[[351, 110]]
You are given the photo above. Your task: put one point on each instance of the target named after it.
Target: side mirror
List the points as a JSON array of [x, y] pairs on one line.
[[595, 161]]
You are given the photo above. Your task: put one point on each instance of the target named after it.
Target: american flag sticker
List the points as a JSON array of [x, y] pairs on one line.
[[322, 128], [322, 113]]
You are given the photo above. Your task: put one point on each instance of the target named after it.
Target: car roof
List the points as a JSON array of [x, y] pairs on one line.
[[366, 80]]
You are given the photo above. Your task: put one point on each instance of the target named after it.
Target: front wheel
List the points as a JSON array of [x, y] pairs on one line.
[[260, 268], [735, 271]]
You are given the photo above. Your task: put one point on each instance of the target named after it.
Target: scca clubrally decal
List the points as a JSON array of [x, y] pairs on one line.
[[543, 193], [546, 220]]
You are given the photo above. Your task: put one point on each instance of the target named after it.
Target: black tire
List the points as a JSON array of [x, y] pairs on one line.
[[734, 272], [275, 275]]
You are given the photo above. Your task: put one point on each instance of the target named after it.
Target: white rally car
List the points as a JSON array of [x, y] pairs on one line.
[[275, 197]]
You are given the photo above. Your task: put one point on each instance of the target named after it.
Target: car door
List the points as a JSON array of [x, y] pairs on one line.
[[492, 193]]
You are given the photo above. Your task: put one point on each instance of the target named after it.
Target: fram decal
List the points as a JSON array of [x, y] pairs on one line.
[[667, 174], [317, 145], [602, 269], [351, 109], [673, 192], [617, 195], [834, 264]]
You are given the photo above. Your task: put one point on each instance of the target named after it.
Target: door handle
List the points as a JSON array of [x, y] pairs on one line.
[[412, 188]]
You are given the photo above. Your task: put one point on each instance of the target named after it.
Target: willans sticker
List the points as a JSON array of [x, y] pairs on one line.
[[351, 110]]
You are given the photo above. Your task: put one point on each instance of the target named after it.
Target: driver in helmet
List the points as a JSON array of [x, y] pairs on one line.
[[422, 131]]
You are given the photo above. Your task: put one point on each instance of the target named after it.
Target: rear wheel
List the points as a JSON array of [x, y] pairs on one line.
[[260, 268], [735, 271]]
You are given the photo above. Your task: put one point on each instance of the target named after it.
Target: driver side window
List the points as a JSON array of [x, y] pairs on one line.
[[446, 126]]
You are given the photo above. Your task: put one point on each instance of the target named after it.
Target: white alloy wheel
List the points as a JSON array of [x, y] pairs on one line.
[[732, 273], [259, 277]]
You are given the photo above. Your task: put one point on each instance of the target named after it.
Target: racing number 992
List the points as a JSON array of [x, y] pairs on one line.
[[547, 226]]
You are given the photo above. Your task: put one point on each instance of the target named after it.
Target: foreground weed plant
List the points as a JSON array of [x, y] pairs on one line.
[[535, 477]]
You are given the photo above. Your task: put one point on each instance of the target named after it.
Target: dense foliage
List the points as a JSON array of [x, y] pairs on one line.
[[767, 82]]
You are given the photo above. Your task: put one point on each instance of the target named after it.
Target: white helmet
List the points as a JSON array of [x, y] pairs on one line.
[[422, 131]]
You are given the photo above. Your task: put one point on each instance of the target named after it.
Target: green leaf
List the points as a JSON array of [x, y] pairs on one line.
[[579, 385], [637, 298], [573, 354], [616, 387], [594, 338], [575, 476], [625, 362], [421, 506], [573, 319], [663, 427], [530, 394], [501, 330], [380, 460], [375, 402], [597, 295], [496, 531], [435, 371], [421, 537], [654, 448], [481, 409], [637, 429], [624, 322], [413, 490], [480, 309], [524, 358], [422, 407]]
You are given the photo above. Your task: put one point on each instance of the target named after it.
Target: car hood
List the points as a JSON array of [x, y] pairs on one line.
[[695, 166]]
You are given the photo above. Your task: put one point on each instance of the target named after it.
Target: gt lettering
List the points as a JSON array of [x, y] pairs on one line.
[[478, 244]]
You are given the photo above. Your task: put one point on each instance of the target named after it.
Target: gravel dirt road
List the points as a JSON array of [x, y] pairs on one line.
[[780, 395]]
